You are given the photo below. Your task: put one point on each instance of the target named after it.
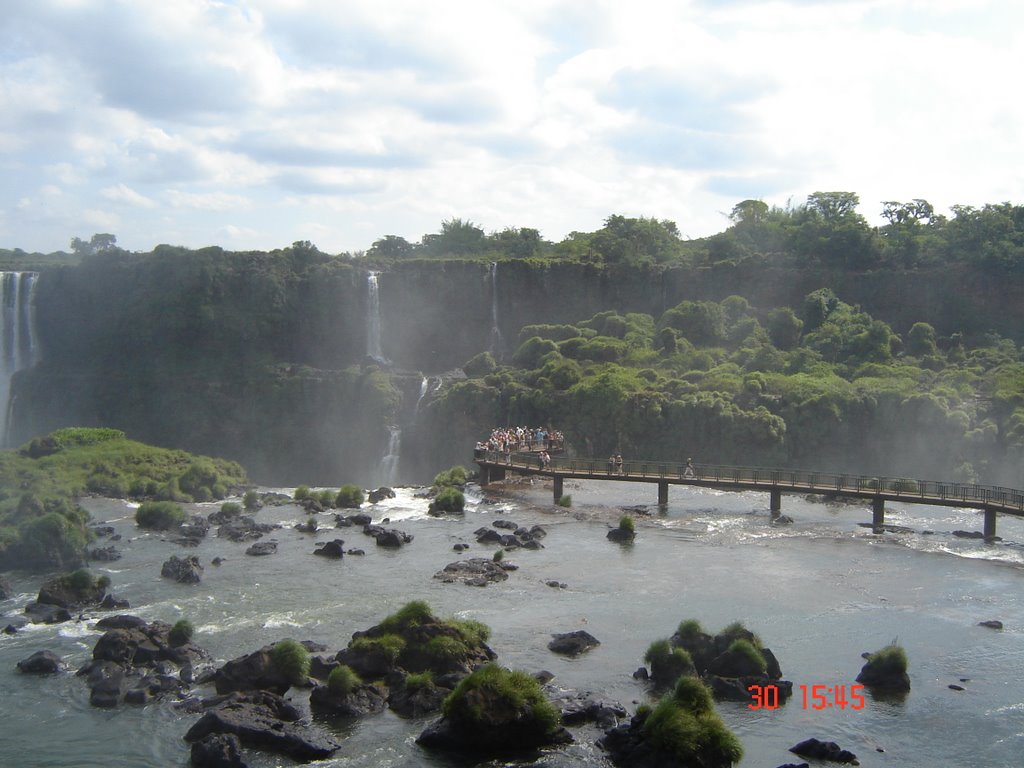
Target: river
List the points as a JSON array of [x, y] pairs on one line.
[[819, 592]]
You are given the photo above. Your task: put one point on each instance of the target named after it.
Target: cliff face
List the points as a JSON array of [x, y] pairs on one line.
[[262, 359]]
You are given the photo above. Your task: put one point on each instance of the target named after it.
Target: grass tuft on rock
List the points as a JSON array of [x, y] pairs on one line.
[[291, 659], [685, 726], [516, 691], [159, 515], [343, 680]]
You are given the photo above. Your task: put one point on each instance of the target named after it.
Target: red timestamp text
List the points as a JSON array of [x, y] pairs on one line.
[[813, 696]]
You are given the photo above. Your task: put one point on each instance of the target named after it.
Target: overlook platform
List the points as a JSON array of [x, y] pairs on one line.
[[990, 500]]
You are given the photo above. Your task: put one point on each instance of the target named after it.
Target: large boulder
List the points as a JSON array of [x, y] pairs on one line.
[[573, 643], [218, 750], [255, 671], [41, 663], [476, 572], [263, 720], [495, 712], [184, 570], [363, 699], [824, 750]]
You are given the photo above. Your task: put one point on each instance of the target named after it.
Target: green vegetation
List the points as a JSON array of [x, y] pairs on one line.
[[343, 680], [888, 661], [231, 508], [350, 497], [515, 692], [41, 525], [449, 499], [291, 659], [301, 493], [689, 629], [474, 633], [750, 651], [498, 556], [565, 500], [388, 646], [452, 477], [626, 523], [251, 500], [159, 515], [685, 726], [418, 680], [668, 663], [411, 614], [181, 632], [737, 631]]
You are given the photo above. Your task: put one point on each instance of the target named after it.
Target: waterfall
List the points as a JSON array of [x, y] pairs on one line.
[[423, 393], [389, 464], [18, 347], [373, 319], [496, 341]]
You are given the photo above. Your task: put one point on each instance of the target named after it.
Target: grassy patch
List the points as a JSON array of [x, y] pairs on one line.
[[512, 691], [291, 659], [343, 680]]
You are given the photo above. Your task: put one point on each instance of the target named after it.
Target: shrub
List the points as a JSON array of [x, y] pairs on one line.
[[412, 614], [689, 629], [198, 480], [565, 500], [685, 726], [159, 515], [453, 476], [231, 508], [301, 493], [350, 497], [71, 436], [419, 680], [103, 582], [474, 633], [389, 646], [343, 680], [736, 631], [251, 500], [626, 523], [746, 648], [181, 632], [50, 540], [79, 581], [291, 659], [449, 499], [442, 649], [499, 555], [518, 691], [890, 660], [668, 663]]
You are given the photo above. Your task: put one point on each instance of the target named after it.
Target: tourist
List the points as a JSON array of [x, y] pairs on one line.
[[618, 463], [688, 472]]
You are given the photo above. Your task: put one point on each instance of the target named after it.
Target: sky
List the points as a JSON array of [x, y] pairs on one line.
[[252, 124]]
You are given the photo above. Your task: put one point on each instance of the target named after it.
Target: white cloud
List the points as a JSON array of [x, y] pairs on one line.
[[350, 119]]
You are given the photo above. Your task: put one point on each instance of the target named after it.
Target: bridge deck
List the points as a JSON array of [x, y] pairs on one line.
[[995, 498]]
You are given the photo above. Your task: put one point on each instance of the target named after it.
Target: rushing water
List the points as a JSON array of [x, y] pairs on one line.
[[819, 592], [18, 347], [373, 348]]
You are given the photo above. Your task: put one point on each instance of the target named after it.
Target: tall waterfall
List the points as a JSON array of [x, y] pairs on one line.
[[373, 318], [496, 340], [18, 347]]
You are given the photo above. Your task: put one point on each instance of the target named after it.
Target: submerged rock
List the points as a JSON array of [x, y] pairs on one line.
[[476, 572], [573, 643]]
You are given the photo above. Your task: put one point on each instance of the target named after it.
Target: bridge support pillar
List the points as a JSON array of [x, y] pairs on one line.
[[662, 493], [557, 486], [877, 514], [990, 524], [491, 474], [775, 505]]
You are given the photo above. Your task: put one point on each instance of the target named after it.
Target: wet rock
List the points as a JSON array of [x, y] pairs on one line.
[[824, 750], [476, 572], [355, 552], [255, 671], [41, 663], [184, 570], [333, 549], [991, 624], [573, 643], [262, 549], [621, 535], [218, 750], [106, 554], [380, 494], [38, 613], [577, 708], [112, 603], [265, 721], [415, 701], [364, 699], [243, 528]]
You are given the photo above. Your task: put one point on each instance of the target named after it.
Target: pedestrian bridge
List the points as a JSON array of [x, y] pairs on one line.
[[991, 500]]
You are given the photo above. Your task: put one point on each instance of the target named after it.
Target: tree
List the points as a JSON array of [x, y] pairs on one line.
[[391, 246], [457, 238], [98, 243], [784, 328], [519, 243], [634, 240], [749, 212], [921, 340]]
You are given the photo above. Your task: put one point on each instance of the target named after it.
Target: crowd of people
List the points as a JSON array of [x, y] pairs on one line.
[[509, 439]]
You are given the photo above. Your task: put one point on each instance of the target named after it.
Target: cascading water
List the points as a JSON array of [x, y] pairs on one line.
[[389, 464], [423, 393], [373, 348], [496, 340], [17, 335]]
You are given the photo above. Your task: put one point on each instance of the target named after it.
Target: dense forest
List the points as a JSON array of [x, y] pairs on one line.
[[798, 336]]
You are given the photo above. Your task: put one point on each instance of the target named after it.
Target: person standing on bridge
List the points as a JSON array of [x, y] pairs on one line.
[[611, 464], [618, 463], [688, 472]]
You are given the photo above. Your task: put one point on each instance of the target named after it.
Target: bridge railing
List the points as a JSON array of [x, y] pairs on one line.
[[770, 477]]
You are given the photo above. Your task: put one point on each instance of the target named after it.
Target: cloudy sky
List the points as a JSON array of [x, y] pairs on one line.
[[256, 123]]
